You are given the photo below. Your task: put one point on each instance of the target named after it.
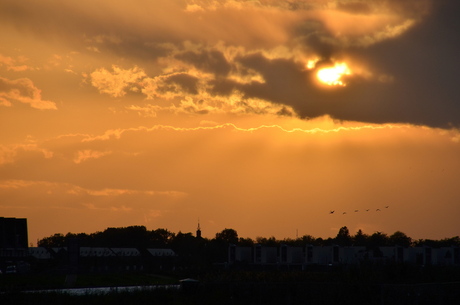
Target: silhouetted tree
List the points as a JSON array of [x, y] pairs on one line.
[[446, 242], [160, 237], [289, 242], [269, 242], [319, 242], [183, 241], [398, 238], [56, 240], [229, 236], [217, 248], [84, 240], [127, 237], [343, 238], [245, 242], [187, 247], [360, 239], [451, 242], [308, 240], [378, 239]]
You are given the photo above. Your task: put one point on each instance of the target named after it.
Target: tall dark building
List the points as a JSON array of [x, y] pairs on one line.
[[13, 233]]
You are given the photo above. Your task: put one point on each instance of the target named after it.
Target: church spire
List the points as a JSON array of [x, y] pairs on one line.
[[198, 230]]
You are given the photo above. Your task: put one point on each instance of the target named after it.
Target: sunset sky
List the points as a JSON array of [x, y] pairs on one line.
[[261, 116]]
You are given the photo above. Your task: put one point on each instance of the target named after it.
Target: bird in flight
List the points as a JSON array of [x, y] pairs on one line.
[[367, 210], [344, 213], [331, 212], [387, 207], [378, 210], [356, 211]]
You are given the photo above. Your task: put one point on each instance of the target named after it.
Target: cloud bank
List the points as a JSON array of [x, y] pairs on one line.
[[267, 50]]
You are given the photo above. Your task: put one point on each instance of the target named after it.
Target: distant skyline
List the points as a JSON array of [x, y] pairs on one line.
[[261, 116]]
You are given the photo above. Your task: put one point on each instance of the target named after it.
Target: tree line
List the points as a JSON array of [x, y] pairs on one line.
[[140, 237]]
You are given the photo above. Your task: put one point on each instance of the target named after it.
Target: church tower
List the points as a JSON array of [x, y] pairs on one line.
[[198, 230]]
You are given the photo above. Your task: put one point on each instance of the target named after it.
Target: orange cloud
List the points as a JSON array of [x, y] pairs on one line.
[[9, 153], [75, 190], [122, 209], [16, 65], [87, 154], [170, 86], [24, 91], [350, 28], [119, 81]]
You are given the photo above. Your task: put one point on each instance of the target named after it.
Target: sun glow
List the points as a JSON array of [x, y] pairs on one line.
[[332, 75]]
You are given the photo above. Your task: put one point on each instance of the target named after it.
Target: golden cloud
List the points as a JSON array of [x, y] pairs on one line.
[[24, 91], [10, 153], [75, 190], [87, 154], [15, 64], [119, 81]]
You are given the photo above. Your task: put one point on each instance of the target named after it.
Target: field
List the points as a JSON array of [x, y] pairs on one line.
[[386, 286]]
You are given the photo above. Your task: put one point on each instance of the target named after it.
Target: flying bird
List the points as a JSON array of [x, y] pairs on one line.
[[367, 210], [331, 212], [356, 210], [344, 213], [387, 207], [378, 210]]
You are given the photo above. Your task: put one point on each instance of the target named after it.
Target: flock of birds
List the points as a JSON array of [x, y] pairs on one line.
[[367, 210]]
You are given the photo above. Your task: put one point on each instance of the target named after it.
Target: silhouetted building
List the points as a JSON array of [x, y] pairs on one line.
[[73, 248], [39, 253], [13, 237], [309, 255]]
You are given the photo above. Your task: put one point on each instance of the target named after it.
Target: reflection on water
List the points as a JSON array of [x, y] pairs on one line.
[[105, 290]]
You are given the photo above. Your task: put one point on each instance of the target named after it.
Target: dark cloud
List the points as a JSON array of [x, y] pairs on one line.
[[354, 7], [286, 82], [409, 8], [417, 50], [321, 46], [422, 63], [187, 82], [424, 66], [209, 61]]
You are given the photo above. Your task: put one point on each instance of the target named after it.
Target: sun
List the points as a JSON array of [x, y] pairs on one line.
[[332, 76]]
